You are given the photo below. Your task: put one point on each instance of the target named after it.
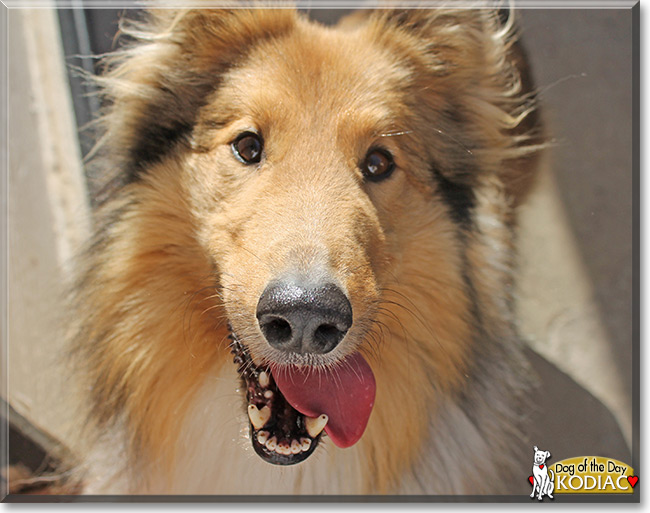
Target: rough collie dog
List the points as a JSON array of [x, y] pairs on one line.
[[332, 209]]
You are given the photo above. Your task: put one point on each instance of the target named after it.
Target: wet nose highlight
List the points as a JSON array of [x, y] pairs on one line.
[[304, 319]]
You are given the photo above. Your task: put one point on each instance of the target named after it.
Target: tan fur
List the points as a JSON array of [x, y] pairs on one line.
[[189, 244]]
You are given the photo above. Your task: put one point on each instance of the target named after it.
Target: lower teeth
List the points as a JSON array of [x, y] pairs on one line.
[[262, 437], [271, 444], [283, 447]]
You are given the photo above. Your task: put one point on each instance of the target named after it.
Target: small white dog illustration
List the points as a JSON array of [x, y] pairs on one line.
[[543, 483]]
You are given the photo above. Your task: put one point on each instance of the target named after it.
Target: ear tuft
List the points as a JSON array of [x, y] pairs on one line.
[[154, 88]]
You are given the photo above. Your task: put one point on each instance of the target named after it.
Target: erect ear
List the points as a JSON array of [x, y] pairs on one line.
[[471, 82], [535, 449], [156, 87], [444, 40]]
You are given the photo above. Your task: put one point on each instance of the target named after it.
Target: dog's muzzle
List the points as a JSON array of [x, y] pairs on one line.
[[291, 403]]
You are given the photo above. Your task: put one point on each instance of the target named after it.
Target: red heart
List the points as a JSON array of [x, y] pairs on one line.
[[632, 480], [541, 466], [531, 479]]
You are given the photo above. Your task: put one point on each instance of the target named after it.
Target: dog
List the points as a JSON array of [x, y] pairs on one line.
[[301, 275], [543, 483]]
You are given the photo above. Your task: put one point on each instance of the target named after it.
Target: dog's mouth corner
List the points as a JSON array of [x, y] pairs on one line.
[[291, 408]]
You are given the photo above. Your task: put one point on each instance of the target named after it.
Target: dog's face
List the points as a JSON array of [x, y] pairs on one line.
[[541, 456], [300, 214], [323, 202], [312, 185], [334, 185]]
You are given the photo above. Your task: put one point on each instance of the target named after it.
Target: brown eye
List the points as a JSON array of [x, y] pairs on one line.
[[378, 165], [248, 148]]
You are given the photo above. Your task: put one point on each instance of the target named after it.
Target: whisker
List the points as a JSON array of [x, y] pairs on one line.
[[393, 134]]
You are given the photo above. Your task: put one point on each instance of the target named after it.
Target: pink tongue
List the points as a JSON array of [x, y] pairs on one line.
[[345, 394]]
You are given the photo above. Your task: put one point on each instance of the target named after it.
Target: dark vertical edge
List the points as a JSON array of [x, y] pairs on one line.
[[636, 245], [77, 51], [4, 86], [86, 34]]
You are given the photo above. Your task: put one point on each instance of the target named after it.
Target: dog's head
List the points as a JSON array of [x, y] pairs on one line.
[[332, 178], [540, 456]]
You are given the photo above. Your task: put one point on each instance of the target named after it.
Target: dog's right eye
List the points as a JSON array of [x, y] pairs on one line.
[[248, 148]]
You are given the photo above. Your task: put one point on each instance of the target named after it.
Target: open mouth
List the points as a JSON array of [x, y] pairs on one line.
[[289, 408], [280, 434]]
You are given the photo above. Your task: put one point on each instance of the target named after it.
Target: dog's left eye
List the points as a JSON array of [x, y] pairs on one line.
[[378, 165], [248, 148]]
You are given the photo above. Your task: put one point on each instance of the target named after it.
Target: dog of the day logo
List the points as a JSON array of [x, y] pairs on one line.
[[582, 474]]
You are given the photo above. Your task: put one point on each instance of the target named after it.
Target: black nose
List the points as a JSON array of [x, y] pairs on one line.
[[297, 319]]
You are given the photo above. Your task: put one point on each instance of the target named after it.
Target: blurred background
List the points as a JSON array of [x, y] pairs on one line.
[[578, 237]]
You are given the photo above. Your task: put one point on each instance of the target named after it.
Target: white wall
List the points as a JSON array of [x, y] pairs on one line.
[[47, 217]]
